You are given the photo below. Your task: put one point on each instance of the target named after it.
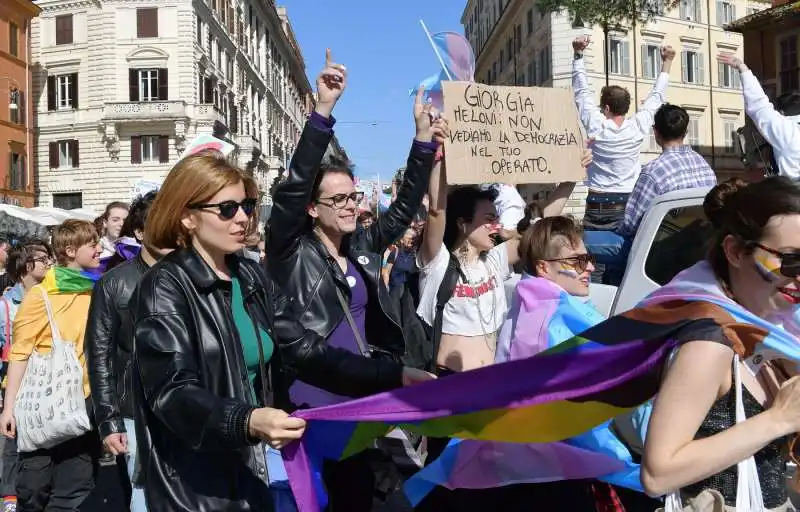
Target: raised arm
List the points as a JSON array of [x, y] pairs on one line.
[[585, 101], [391, 225], [433, 235], [780, 131], [293, 196], [658, 95]]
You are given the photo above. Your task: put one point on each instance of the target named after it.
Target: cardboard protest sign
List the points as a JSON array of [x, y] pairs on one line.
[[511, 135]]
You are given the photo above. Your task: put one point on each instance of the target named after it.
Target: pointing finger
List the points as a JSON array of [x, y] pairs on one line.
[[420, 94], [328, 58]]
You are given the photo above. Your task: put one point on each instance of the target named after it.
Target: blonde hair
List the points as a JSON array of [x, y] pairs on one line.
[[543, 240], [195, 179], [72, 233]]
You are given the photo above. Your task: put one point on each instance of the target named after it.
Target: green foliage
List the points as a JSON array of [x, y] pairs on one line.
[[609, 14]]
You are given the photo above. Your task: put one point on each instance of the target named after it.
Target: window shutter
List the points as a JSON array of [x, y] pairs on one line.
[[23, 170], [73, 90], [208, 86], [698, 11], [721, 75], [737, 83], [12, 172], [163, 84], [23, 113], [720, 12], [683, 9], [73, 148], [163, 149], [626, 58], [51, 93], [645, 64], [133, 84], [147, 22], [53, 148], [136, 149], [700, 68], [684, 69], [234, 119]]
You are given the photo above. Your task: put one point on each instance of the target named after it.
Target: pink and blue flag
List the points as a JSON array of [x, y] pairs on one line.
[[458, 61]]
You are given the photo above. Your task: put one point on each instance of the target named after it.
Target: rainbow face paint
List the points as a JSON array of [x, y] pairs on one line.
[[568, 272]]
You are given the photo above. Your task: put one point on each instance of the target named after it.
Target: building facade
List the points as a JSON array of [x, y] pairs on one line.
[[515, 44], [16, 132], [124, 86]]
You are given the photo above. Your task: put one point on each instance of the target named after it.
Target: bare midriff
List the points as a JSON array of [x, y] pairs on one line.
[[461, 353]]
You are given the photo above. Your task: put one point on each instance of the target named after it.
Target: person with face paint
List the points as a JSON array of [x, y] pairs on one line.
[[693, 441], [113, 219]]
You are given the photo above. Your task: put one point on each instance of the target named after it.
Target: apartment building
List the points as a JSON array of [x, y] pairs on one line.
[[516, 44], [16, 134], [122, 87]]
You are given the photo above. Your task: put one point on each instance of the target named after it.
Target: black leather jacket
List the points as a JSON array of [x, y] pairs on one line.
[[109, 345], [192, 396], [305, 269]]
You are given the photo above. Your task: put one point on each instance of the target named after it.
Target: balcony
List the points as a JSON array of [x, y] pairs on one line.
[[144, 110], [208, 113]]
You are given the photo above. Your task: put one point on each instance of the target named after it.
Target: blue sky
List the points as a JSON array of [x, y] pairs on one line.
[[386, 53]]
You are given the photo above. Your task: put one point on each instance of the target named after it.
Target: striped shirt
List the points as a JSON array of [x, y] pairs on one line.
[[677, 168]]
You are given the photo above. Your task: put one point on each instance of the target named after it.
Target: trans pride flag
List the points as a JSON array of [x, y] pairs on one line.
[[458, 63], [542, 315], [559, 394]]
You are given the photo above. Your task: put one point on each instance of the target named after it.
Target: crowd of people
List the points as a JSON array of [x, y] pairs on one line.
[[196, 338]]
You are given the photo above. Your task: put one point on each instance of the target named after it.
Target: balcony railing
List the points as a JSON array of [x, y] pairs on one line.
[[144, 110]]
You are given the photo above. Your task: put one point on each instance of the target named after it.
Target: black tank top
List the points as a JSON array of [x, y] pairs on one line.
[[770, 461]]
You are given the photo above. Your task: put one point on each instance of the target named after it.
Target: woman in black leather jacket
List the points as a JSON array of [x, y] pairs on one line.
[[215, 345]]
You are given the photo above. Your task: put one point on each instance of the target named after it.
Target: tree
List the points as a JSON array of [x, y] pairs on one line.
[[609, 14]]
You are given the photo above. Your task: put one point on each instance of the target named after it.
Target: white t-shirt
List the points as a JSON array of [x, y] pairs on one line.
[[477, 307]]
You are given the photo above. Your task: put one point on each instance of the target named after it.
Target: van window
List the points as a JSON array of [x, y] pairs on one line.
[[682, 239]]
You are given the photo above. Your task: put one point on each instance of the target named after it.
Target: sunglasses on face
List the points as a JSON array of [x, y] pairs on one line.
[[790, 261], [228, 209], [579, 262], [340, 200]]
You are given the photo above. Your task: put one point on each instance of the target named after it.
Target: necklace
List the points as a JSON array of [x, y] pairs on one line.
[[490, 335]]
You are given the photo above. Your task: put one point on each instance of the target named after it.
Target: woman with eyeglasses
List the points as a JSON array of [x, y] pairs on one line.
[[694, 441], [216, 347]]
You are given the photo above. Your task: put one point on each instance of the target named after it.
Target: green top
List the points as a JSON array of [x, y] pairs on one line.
[[247, 333]]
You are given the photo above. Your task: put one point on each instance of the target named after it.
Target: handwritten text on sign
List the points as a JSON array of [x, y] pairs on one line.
[[511, 134]]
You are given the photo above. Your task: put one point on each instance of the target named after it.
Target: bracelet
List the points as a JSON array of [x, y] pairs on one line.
[[439, 154]]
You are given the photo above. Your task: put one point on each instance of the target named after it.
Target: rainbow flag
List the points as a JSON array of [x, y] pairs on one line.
[[69, 280], [559, 394], [542, 315]]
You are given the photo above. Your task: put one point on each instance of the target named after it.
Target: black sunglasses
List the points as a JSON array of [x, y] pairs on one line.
[[340, 200], [229, 209], [790, 261], [579, 262]]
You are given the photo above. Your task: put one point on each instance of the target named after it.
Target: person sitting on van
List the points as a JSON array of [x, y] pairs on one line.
[[678, 167]]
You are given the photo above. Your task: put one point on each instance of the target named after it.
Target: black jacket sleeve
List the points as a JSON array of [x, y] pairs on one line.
[[100, 347], [288, 217], [391, 225], [166, 355], [333, 369]]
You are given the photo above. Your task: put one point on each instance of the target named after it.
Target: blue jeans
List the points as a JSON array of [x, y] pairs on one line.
[[609, 249], [604, 210], [138, 503]]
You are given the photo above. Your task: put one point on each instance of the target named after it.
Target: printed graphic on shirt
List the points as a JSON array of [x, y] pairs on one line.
[[476, 290]]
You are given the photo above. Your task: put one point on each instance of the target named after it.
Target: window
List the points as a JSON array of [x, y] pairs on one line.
[[148, 84], [64, 29], [64, 154], [651, 60], [149, 149], [789, 76], [147, 22], [68, 201], [510, 49], [13, 39], [728, 77], [692, 67], [690, 10], [682, 240], [726, 12], [16, 107], [529, 20], [544, 65], [200, 30], [518, 35], [730, 133], [619, 57], [17, 173], [693, 133], [502, 60], [650, 144], [532, 72], [62, 92]]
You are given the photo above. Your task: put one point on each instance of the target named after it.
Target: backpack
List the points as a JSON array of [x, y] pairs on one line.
[[446, 290]]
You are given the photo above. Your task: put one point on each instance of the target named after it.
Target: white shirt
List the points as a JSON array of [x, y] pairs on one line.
[[509, 204], [616, 149], [477, 307], [781, 132]]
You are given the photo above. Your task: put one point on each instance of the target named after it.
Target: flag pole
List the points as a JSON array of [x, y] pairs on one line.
[[435, 50], [380, 192]]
